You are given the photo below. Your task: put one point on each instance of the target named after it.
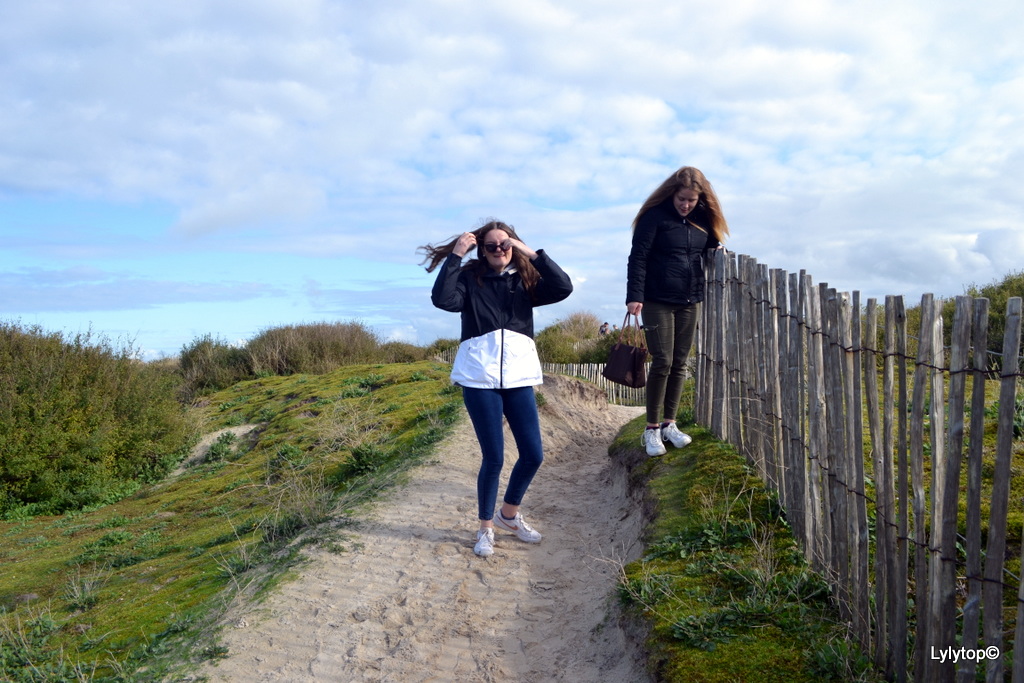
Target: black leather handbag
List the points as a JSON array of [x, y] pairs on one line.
[[626, 360]]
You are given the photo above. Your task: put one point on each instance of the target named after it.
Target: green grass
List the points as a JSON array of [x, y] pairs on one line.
[[122, 592], [723, 585]]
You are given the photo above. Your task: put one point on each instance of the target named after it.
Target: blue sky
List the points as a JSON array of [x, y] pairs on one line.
[[171, 170]]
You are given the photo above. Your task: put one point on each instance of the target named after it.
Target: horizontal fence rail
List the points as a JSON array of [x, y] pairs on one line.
[[865, 434]]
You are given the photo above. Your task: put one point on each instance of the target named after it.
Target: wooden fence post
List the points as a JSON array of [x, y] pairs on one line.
[[995, 551], [1007, 398], [772, 376], [917, 422], [884, 495], [789, 432], [836, 455], [734, 365], [945, 492], [817, 441], [858, 502], [901, 406], [972, 545], [797, 378]]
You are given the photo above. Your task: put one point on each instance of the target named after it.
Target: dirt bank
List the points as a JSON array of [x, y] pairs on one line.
[[410, 602]]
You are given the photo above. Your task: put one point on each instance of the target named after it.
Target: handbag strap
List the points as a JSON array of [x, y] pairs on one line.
[[635, 331]]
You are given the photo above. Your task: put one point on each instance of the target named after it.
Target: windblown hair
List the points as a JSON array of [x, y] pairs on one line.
[[434, 255], [690, 178]]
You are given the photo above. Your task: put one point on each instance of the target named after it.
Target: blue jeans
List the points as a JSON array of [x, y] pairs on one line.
[[669, 330], [486, 408]]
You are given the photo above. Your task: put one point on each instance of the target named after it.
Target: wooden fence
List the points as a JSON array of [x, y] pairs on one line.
[[617, 394], [873, 452]]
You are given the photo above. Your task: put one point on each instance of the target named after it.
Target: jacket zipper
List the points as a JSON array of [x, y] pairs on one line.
[[501, 362], [509, 288]]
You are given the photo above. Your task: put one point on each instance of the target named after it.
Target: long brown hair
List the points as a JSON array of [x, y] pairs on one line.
[[434, 255], [690, 178]]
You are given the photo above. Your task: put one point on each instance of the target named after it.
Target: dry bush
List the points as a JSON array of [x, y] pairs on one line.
[[314, 348], [401, 352], [581, 325], [209, 364]]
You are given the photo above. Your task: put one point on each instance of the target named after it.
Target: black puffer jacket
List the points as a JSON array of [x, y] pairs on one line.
[[666, 263]]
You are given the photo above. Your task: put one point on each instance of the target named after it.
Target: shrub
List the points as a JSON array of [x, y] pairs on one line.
[[315, 348], [554, 345], [574, 340], [581, 325], [81, 423], [401, 352], [599, 350], [439, 346], [209, 364]]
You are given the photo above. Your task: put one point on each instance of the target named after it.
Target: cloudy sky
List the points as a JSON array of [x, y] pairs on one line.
[[171, 170]]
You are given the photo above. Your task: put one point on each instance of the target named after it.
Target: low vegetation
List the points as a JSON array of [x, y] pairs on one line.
[[727, 591], [209, 364], [124, 592]]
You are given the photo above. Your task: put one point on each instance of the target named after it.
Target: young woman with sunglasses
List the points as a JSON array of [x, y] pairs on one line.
[[497, 364], [673, 233]]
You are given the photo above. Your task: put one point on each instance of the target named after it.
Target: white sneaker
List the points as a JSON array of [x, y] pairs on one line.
[[652, 442], [484, 543], [518, 526], [671, 433]]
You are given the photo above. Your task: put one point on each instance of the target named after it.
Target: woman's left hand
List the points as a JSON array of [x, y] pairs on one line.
[[523, 249]]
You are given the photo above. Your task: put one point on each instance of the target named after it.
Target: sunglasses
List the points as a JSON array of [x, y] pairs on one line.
[[491, 247]]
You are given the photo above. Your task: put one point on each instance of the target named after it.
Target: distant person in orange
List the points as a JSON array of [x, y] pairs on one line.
[[674, 232]]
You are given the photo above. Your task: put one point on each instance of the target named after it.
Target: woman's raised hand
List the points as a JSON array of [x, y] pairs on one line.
[[465, 243], [522, 248]]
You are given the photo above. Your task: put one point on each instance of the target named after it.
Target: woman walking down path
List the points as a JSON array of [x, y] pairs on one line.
[[409, 602], [497, 364]]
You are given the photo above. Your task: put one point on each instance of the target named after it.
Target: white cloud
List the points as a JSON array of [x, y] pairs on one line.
[[875, 144]]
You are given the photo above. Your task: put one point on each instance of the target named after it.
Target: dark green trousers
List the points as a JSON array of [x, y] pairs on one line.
[[669, 329]]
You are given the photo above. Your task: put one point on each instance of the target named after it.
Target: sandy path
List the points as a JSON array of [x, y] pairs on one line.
[[411, 602]]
